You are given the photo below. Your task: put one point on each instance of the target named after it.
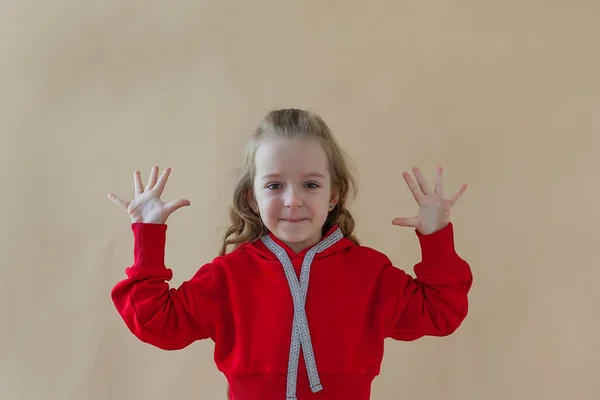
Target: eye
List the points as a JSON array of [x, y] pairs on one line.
[[273, 186], [312, 185]]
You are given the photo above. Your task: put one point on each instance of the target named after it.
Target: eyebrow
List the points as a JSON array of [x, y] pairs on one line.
[[310, 175]]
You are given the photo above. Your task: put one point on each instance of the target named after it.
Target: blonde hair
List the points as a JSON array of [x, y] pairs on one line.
[[246, 224]]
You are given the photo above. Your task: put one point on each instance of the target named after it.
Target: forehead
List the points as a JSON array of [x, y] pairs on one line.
[[291, 157]]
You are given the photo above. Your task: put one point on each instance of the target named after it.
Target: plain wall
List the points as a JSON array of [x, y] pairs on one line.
[[503, 94]]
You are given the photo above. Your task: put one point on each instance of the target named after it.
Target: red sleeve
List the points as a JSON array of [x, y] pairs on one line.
[[168, 318], [434, 303]]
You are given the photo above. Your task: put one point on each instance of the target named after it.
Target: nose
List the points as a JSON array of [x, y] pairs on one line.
[[292, 198]]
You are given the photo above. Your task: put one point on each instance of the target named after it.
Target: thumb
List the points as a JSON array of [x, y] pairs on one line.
[[411, 222], [118, 201], [174, 205]]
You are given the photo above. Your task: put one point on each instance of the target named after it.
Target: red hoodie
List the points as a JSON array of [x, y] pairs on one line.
[[247, 302]]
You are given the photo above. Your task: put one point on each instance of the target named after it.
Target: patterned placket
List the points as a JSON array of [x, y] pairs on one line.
[[300, 330]]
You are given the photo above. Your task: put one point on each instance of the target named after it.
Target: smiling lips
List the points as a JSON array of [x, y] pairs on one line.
[[293, 219]]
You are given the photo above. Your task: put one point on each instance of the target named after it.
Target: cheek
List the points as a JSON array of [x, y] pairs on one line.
[[320, 206], [268, 205]]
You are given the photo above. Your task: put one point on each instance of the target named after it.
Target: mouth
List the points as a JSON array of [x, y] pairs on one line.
[[294, 220]]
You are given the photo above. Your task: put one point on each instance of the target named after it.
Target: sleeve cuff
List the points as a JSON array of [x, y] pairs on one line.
[[149, 244], [437, 245]]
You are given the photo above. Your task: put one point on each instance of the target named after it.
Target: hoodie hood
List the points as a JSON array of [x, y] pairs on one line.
[[260, 248]]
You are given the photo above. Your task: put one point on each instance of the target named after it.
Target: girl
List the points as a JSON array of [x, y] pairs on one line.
[[298, 309]]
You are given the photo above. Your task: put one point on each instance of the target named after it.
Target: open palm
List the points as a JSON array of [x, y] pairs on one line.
[[434, 208], [147, 206]]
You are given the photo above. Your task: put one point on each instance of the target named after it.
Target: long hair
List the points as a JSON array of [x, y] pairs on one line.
[[246, 224]]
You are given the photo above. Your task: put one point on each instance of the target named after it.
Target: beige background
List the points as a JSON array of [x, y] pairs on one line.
[[503, 94]]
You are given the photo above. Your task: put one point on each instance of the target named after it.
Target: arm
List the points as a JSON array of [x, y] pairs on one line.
[[435, 303], [168, 318]]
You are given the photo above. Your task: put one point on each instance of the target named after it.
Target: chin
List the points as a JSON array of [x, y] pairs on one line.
[[292, 237], [296, 232]]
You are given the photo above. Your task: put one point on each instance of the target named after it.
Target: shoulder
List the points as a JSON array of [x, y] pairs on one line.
[[366, 251], [366, 255], [240, 256]]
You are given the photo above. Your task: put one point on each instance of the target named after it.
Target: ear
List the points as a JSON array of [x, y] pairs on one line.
[[334, 199]]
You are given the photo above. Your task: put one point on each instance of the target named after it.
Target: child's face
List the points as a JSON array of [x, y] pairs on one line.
[[292, 190]]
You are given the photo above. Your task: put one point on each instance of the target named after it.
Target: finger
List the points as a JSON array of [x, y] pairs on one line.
[[153, 177], [162, 181], [137, 183], [439, 181], [458, 194], [421, 180], [412, 185], [411, 222], [174, 205], [118, 201]]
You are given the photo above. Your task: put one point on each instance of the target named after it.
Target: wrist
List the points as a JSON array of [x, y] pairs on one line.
[[150, 221]]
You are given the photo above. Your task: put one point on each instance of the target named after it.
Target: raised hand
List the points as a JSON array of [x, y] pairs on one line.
[[434, 209], [146, 206]]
